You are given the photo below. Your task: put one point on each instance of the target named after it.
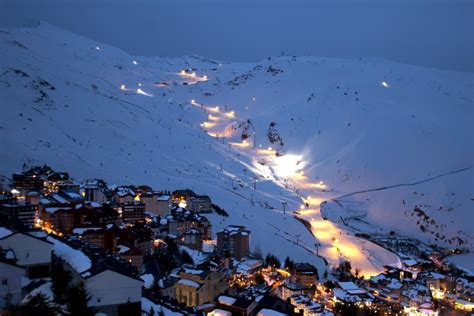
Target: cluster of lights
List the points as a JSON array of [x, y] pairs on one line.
[[192, 74]]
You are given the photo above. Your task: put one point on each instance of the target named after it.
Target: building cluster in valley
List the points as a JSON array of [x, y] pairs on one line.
[[139, 251]]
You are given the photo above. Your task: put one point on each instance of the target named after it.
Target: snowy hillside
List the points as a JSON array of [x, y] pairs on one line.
[[379, 141]]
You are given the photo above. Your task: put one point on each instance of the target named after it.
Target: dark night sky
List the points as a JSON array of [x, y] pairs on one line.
[[435, 33]]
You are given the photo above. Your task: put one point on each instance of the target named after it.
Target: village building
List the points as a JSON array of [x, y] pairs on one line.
[[132, 212], [192, 239], [304, 306], [233, 241], [29, 181], [19, 213], [199, 204], [349, 292], [11, 275], [163, 205], [182, 220], [95, 190], [157, 203], [196, 287], [123, 194], [112, 284], [61, 220], [236, 305], [288, 290], [305, 274], [32, 253]]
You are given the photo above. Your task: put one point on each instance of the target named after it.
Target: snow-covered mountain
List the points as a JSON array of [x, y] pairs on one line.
[[388, 146]]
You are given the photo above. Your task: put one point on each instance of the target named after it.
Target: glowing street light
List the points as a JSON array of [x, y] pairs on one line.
[[135, 62]]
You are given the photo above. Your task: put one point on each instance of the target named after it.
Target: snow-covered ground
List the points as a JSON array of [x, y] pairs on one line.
[[375, 139]]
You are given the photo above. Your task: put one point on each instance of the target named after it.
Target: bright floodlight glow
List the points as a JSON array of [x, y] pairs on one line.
[[97, 47], [288, 165], [140, 91], [122, 87], [385, 84], [193, 74], [205, 77], [139, 84], [15, 191], [182, 204], [135, 62], [208, 124]]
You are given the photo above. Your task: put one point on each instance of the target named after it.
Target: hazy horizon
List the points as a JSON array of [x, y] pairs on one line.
[[435, 34]]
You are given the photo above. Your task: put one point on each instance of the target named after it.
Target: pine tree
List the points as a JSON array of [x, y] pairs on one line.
[[78, 300], [186, 258], [257, 252], [272, 260], [151, 312], [61, 279], [38, 304], [289, 264]]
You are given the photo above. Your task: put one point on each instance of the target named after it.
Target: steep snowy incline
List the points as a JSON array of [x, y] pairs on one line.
[[62, 104], [262, 139]]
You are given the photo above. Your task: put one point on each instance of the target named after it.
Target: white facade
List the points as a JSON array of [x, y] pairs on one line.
[[111, 288], [10, 283]]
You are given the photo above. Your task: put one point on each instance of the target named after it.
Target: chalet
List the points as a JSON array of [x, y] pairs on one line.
[[138, 236], [99, 216], [10, 279], [95, 190], [167, 287], [385, 287], [269, 312], [53, 180], [195, 287], [61, 220], [71, 196], [305, 274], [93, 235], [31, 253], [288, 290], [303, 305], [199, 204], [183, 195], [349, 292], [192, 239], [236, 305], [112, 283], [131, 254], [124, 194], [182, 220]]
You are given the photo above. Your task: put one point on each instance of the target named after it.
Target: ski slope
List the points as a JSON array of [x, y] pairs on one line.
[[373, 138]]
